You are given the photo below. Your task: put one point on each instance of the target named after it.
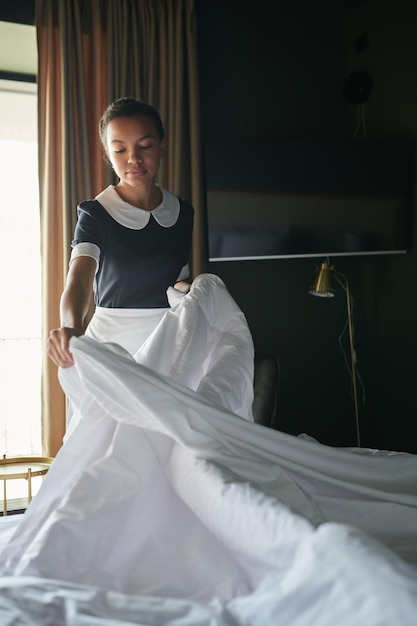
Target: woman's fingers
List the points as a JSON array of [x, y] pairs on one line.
[[58, 346]]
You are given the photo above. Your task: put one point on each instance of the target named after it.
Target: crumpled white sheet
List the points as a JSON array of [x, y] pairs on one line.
[[206, 518]]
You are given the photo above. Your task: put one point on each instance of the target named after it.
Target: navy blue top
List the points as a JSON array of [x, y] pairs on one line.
[[136, 266]]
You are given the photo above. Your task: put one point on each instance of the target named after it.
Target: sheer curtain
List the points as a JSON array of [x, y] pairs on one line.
[[91, 52]]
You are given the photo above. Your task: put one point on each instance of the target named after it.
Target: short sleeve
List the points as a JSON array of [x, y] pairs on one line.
[[86, 249], [90, 224], [185, 272]]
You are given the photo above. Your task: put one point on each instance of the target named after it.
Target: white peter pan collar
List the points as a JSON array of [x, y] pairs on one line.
[[166, 214]]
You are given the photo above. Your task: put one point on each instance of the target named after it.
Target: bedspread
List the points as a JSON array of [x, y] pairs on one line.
[[164, 506]]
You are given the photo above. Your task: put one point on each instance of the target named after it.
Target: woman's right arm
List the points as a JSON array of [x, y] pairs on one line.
[[74, 306]]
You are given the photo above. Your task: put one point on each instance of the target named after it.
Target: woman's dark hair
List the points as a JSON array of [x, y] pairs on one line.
[[125, 107]]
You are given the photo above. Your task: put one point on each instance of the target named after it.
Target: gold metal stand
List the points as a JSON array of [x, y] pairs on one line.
[[22, 467], [353, 364], [322, 287]]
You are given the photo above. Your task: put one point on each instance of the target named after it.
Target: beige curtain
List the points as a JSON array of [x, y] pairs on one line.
[[90, 53]]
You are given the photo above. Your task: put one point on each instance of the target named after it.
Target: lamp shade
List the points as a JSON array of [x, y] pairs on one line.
[[322, 285]]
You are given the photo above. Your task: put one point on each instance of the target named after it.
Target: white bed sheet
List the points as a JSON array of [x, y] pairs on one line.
[[199, 516]]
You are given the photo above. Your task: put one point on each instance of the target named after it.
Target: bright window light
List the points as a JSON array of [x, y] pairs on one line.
[[20, 272]]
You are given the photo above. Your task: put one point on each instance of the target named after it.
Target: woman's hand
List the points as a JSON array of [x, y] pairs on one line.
[[58, 345], [183, 286], [74, 305]]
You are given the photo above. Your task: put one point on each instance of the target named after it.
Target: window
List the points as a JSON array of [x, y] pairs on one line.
[[20, 272]]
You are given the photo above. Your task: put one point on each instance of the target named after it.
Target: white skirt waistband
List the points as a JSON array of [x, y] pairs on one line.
[[128, 328], [104, 312]]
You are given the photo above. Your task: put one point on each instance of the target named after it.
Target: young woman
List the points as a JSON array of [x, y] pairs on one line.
[[131, 243]]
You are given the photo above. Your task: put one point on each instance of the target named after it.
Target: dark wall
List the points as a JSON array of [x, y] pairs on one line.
[[270, 70], [275, 71]]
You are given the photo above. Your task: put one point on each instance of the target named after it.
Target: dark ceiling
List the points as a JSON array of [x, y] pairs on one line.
[[21, 12]]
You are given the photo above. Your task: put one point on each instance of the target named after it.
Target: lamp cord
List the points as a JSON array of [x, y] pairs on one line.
[[352, 368], [348, 367]]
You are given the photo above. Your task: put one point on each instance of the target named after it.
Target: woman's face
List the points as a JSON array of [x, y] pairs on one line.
[[134, 149]]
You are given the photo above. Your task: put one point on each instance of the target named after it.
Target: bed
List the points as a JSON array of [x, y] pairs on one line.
[[168, 504]]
